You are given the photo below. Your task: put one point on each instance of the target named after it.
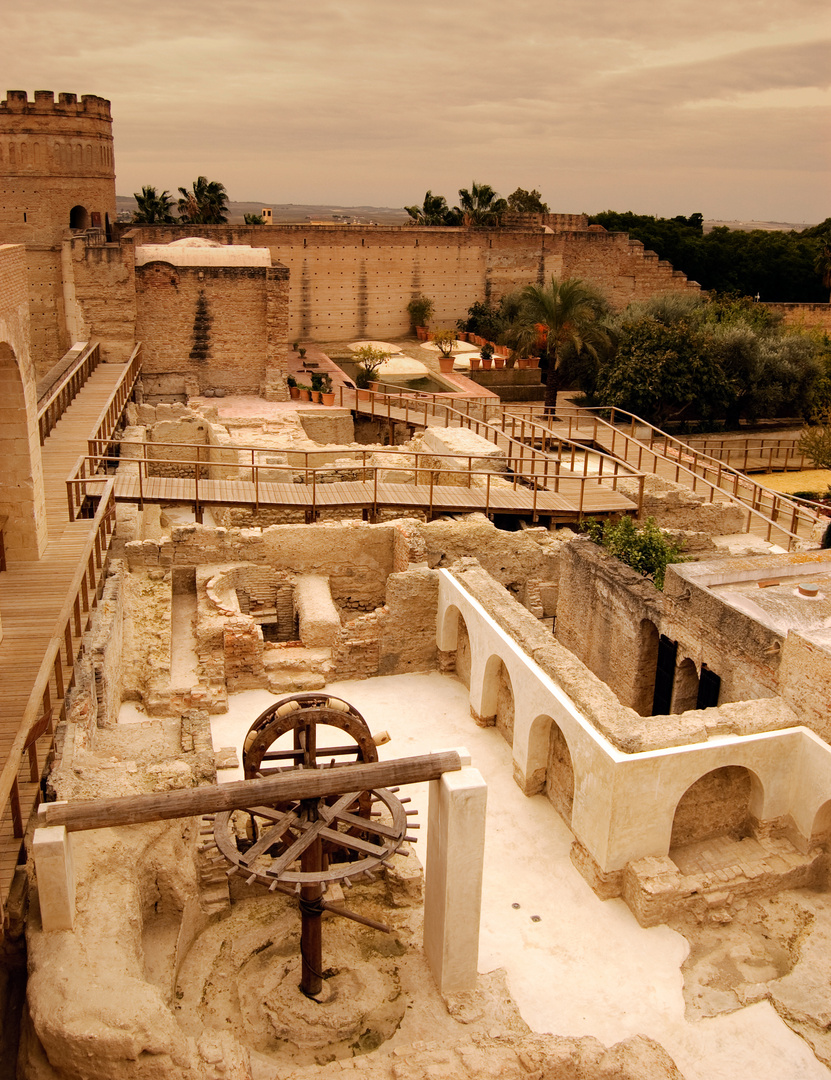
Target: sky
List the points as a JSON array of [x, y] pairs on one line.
[[656, 106]]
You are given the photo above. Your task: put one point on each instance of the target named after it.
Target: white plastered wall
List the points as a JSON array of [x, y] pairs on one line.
[[624, 804]]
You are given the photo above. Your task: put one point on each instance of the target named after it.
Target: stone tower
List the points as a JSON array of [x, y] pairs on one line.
[[56, 174]]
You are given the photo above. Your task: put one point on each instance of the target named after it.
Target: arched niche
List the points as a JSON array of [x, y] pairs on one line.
[[559, 772], [498, 698], [78, 218], [685, 687], [723, 802]]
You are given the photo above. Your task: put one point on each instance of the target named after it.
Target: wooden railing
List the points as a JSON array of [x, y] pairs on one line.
[[110, 416], [60, 396], [626, 435], [760, 454], [56, 674], [544, 474]]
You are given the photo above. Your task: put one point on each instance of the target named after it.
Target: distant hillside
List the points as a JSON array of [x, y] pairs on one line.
[[299, 212]]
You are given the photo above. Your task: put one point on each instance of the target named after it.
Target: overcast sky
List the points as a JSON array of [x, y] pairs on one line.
[[656, 106]]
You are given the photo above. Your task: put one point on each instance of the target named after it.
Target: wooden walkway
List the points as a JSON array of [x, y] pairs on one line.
[[32, 594], [562, 505]]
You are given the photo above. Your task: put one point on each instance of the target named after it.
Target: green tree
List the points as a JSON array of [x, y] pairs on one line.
[[480, 205], [153, 207], [254, 219], [205, 204], [663, 372], [526, 202], [564, 317], [434, 211], [647, 550]]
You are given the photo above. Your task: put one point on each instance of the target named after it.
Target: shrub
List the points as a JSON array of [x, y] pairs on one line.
[[647, 550], [445, 340]]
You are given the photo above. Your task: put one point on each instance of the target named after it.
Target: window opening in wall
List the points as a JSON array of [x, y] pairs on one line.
[[25, 217], [709, 688], [664, 676]]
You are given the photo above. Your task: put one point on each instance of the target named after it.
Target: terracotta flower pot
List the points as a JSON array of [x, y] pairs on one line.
[[421, 333], [305, 395], [295, 392], [446, 364], [316, 397], [533, 361], [363, 395], [328, 399], [475, 361], [486, 363], [499, 361]]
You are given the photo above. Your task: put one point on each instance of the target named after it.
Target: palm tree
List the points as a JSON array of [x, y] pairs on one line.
[[555, 319], [480, 205], [153, 208], [434, 211], [205, 204]]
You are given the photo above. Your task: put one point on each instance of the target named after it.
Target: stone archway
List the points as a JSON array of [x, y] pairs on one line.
[[22, 500], [720, 803]]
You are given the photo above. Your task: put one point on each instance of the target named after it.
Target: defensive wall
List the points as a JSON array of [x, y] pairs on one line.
[[351, 282], [57, 172]]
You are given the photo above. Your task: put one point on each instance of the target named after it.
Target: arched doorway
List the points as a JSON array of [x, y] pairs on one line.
[[463, 652], [559, 774], [498, 698], [78, 218], [720, 803]]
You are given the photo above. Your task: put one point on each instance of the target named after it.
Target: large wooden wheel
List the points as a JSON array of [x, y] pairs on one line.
[[306, 845]]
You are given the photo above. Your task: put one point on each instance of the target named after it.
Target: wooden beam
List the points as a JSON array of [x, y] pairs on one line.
[[302, 784]]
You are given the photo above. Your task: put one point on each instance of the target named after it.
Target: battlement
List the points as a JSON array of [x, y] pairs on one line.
[[17, 101]]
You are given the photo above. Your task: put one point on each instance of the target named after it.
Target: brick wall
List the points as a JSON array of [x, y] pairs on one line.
[[349, 282]]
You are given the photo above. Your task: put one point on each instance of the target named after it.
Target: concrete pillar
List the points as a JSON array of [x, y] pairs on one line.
[[453, 877], [52, 851]]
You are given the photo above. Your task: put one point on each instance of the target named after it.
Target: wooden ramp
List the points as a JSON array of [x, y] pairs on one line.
[[32, 594]]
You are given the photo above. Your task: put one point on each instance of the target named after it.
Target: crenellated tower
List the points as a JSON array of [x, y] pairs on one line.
[[56, 174]]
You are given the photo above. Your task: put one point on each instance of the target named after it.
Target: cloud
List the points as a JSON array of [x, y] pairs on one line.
[[377, 100]]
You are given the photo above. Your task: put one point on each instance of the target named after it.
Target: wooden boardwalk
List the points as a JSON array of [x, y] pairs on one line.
[[32, 594], [563, 504]]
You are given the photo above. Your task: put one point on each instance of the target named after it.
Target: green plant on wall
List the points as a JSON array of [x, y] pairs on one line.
[[647, 549]]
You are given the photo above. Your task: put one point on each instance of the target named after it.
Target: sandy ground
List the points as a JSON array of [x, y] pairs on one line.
[[586, 967]]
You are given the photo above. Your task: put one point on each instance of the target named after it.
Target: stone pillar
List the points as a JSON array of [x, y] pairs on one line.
[[52, 851], [453, 877]]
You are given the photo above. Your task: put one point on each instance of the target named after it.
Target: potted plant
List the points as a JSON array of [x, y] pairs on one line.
[[369, 361], [302, 352], [305, 392], [316, 381], [486, 352], [475, 360], [498, 360], [446, 341], [327, 392], [420, 310], [294, 390]]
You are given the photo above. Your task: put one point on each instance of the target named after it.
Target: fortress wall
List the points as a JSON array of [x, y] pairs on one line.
[[804, 316], [353, 281]]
